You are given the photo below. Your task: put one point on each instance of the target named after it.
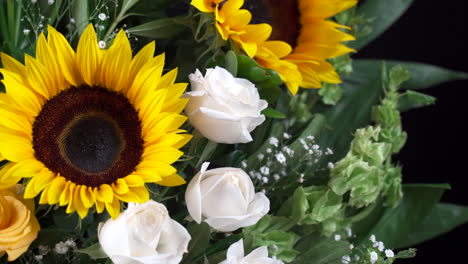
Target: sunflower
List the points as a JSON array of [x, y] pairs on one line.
[[90, 128], [304, 26], [233, 23]]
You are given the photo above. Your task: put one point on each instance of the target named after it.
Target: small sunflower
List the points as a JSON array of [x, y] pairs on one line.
[[90, 128], [304, 26]]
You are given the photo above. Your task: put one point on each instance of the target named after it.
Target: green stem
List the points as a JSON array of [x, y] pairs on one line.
[[207, 152], [11, 18], [3, 24], [362, 214]]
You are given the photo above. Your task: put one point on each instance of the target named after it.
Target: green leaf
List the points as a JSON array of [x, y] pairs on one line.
[[362, 90], [422, 75], [200, 234], [443, 218], [320, 250], [394, 226], [384, 14], [80, 13], [231, 62], [412, 99], [273, 113], [94, 251], [163, 28]]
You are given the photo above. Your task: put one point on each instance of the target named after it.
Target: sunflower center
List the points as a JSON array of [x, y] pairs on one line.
[[282, 15], [93, 142], [89, 135]]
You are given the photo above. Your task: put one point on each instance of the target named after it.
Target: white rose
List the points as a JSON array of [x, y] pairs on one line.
[[144, 233], [226, 198], [223, 108], [235, 255]]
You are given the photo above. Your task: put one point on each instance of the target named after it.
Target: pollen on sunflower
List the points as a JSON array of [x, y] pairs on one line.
[[91, 127]]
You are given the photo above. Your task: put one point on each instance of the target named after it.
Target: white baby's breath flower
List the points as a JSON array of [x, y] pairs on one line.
[[389, 253], [102, 44], [61, 248], [280, 157], [337, 237], [373, 257], [102, 16], [50, 2], [26, 31]]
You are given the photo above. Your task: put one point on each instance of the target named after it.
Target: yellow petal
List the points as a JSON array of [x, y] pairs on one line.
[[67, 196], [120, 186], [134, 181], [135, 195], [12, 65], [104, 193], [65, 56], [116, 64], [78, 202], [88, 56], [172, 180], [56, 188], [113, 208], [38, 183]]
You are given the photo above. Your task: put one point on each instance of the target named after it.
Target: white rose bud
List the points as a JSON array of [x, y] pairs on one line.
[[225, 198], [235, 255], [144, 233], [223, 108]]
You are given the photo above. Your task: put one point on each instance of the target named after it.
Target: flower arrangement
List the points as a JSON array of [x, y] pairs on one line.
[[208, 131]]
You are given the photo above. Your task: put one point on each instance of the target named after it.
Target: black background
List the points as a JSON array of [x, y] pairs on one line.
[[435, 32]]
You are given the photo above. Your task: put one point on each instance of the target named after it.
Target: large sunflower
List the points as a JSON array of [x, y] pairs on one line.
[[91, 127], [304, 26]]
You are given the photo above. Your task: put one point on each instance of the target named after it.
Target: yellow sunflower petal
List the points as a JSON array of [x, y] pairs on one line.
[[120, 186], [88, 56], [65, 56], [135, 194], [134, 181], [116, 63], [55, 190], [12, 65], [99, 206], [67, 195], [206, 6], [113, 208], [18, 92], [87, 196], [15, 147], [38, 183], [168, 79], [78, 202], [172, 180], [104, 193], [142, 57]]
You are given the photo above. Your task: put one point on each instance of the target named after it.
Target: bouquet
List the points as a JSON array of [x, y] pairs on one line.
[[209, 131]]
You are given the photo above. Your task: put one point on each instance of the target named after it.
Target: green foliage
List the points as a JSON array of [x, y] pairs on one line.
[[331, 93], [272, 232], [373, 9], [315, 205], [200, 240], [94, 251], [393, 226], [320, 250]]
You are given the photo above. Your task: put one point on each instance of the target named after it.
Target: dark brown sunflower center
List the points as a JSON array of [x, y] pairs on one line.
[[89, 135], [282, 15]]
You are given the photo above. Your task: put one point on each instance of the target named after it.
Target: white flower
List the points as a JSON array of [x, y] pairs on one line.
[[61, 248], [235, 255], [389, 253], [144, 233], [50, 2], [223, 108], [26, 31], [102, 44], [226, 198], [373, 257], [102, 16]]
